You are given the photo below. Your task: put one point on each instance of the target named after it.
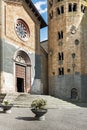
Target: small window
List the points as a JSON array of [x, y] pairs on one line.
[[58, 11], [70, 8], [74, 7], [50, 3], [61, 71], [83, 8], [59, 0], [60, 56], [51, 15], [62, 9], [60, 35]]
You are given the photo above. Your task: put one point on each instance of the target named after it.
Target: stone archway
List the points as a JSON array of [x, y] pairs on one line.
[[22, 72], [74, 93]]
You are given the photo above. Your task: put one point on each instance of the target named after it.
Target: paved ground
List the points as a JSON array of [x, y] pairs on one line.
[[68, 118]]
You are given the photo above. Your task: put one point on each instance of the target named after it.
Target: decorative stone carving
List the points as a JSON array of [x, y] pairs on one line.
[[20, 59], [73, 29]]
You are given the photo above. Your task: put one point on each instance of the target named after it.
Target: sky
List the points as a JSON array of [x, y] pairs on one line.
[[41, 5]]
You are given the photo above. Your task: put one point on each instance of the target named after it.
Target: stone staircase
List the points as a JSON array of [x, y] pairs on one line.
[[25, 100], [11, 97]]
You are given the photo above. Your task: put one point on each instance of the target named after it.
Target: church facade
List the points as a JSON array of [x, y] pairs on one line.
[[20, 62]]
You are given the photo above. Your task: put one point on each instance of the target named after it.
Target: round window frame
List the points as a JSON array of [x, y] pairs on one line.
[[27, 29]]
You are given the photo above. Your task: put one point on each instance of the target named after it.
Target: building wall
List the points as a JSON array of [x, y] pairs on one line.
[[44, 66], [11, 44], [74, 67]]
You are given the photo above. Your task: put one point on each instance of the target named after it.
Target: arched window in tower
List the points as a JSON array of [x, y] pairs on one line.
[[60, 56], [51, 15], [59, 0], [83, 8], [60, 10], [61, 71], [72, 7], [60, 35], [50, 3]]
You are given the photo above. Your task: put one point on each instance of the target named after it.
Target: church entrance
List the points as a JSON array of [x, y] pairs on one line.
[[22, 72], [20, 85], [20, 77]]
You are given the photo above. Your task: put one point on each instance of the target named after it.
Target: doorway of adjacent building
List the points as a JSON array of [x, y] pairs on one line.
[[20, 85]]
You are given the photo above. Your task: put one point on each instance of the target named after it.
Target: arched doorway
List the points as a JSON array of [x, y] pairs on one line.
[[22, 72], [74, 93]]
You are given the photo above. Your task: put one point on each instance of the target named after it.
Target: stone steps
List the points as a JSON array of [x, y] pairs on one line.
[[25, 100], [11, 97]]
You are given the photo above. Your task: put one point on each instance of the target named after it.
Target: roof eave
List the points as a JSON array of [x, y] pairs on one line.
[[36, 13]]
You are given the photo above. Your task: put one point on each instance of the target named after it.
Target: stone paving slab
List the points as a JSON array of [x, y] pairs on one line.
[[61, 115], [56, 119]]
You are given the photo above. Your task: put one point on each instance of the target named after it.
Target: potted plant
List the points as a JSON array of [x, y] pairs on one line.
[[38, 108], [6, 106]]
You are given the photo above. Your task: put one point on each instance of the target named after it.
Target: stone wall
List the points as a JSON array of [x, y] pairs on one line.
[[8, 68], [61, 85], [44, 69]]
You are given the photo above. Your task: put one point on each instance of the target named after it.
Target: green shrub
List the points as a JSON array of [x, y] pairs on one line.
[[6, 102], [38, 104]]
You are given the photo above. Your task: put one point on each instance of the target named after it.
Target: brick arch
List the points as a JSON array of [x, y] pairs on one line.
[[22, 71]]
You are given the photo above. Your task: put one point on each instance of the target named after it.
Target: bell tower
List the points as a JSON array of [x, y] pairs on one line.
[[67, 60]]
